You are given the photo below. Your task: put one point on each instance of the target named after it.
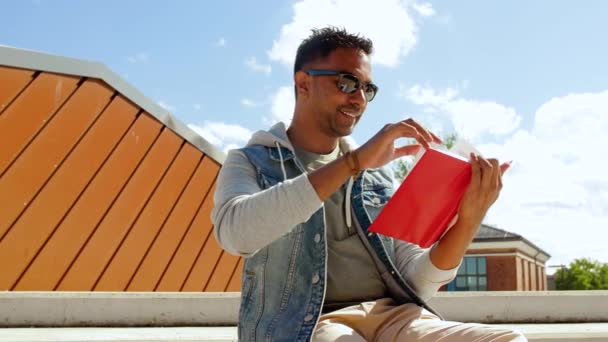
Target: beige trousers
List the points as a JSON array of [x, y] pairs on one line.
[[384, 320]]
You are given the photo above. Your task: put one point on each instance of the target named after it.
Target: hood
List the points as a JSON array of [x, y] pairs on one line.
[[276, 137], [276, 133]]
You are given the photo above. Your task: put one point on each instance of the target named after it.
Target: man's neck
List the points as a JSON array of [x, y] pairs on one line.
[[310, 139]]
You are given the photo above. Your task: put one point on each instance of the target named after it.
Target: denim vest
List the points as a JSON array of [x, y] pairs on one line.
[[283, 284]]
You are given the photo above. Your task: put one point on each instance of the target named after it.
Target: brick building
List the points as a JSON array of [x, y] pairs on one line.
[[498, 260]]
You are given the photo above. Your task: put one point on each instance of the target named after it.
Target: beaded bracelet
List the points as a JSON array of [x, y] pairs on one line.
[[353, 163]]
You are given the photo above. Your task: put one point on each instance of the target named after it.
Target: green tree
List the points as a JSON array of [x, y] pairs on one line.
[[401, 167], [583, 274]]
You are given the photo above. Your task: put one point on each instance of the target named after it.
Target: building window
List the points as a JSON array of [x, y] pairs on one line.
[[472, 275]]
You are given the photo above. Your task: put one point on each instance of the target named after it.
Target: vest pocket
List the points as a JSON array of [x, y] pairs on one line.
[[375, 198], [246, 288], [244, 330]]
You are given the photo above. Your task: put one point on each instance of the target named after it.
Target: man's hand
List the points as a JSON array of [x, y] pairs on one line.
[[380, 149], [483, 191], [485, 186], [376, 152]]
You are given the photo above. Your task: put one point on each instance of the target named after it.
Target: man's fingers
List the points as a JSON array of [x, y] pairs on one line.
[[422, 141], [407, 150], [426, 135], [475, 171], [404, 130], [496, 173], [412, 129], [505, 166], [436, 138], [487, 176]]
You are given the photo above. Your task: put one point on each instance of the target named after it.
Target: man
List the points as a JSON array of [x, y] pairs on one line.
[[297, 203]]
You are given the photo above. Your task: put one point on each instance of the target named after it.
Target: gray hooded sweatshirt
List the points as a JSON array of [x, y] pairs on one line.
[[247, 218]]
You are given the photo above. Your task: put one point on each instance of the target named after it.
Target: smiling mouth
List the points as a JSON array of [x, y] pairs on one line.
[[354, 116]]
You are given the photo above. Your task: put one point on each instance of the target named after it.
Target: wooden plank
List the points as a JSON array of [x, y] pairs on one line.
[[197, 235], [121, 269], [39, 161], [20, 122], [223, 272], [235, 282], [164, 247], [203, 267], [56, 256], [105, 188], [116, 223], [59, 194], [12, 81]]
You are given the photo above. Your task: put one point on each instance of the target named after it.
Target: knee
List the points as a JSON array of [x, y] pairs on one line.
[[501, 334], [510, 336], [516, 336]]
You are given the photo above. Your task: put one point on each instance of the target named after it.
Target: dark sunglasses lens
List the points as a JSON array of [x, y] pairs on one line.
[[370, 92], [348, 84]]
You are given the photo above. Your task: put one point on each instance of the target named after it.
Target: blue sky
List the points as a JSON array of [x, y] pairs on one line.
[[522, 80]]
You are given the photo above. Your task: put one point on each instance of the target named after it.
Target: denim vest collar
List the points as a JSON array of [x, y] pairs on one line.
[[274, 155]]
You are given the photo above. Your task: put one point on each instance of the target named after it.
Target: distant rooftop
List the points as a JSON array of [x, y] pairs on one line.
[[488, 233]]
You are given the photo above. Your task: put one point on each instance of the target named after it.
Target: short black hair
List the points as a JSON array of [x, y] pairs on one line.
[[323, 41]]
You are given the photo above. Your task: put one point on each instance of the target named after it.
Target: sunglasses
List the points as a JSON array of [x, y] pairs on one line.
[[347, 83]]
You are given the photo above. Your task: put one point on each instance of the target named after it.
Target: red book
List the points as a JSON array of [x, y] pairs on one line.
[[427, 201]]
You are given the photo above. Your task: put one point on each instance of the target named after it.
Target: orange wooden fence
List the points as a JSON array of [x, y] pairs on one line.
[[98, 195]]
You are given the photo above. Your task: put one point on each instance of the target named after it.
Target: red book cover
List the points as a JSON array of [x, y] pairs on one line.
[[427, 201]]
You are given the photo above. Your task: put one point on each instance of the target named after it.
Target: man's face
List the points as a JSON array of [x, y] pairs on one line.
[[337, 113]]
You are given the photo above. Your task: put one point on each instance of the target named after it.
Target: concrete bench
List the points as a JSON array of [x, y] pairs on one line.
[[564, 332], [99, 316]]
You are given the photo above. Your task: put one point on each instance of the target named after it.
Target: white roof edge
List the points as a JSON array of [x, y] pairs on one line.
[[34, 60], [523, 246]]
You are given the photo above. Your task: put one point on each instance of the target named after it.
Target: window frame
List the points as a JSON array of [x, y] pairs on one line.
[[473, 271]]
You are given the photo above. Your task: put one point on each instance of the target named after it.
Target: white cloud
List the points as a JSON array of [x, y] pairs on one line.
[[472, 119], [387, 23], [222, 135], [166, 106], [423, 9], [427, 96], [140, 57], [248, 103], [282, 106], [254, 65], [574, 118], [556, 193], [221, 42]]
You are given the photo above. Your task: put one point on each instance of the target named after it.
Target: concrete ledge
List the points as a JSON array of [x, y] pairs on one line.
[[190, 334], [116, 309], [149, 309], [523, 307], [585, 332]]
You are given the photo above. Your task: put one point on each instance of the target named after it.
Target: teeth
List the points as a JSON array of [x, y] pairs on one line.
[[348, 114]]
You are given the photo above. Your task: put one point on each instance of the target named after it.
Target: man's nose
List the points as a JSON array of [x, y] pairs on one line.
[[359, 98]]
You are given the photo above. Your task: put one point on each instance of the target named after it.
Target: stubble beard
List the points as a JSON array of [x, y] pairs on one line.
[[337, 130]]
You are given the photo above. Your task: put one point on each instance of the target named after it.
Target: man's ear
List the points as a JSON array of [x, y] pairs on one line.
[[301, 81]]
